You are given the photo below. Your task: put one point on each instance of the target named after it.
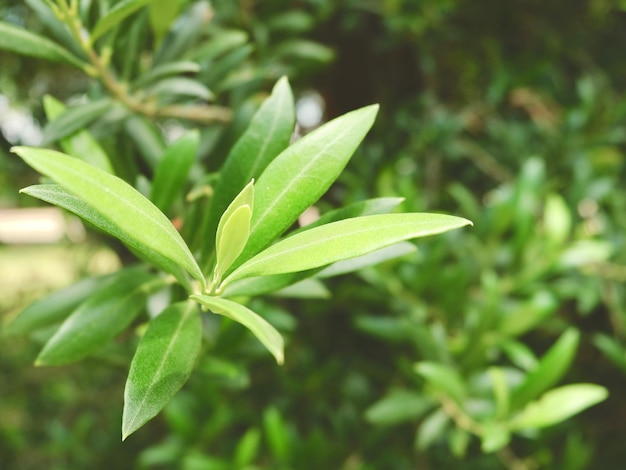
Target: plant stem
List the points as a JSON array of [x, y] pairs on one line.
[[203, 114]]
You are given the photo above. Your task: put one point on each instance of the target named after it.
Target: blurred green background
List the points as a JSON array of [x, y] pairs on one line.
[[511, 114]]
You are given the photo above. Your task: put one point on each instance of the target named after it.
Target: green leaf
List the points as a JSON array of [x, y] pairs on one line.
[[75, 119], [432, 429], [259, 327], [443, 379], [398, 406], [54, 307], [60, 197], [172, 171], [26, 43], [342, 240], [142, 225], [116, 15], [147, 137], [233, 231], [267, 135], [180, 86], [558, 405], [80, 144], [304, 289], [302, 173], [99, 319], [160, 71], [549, 371], [163, 362], [494, 437], [162, 14]]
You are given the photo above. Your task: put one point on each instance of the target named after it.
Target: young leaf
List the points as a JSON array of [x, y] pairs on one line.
[[80, 144], [60, 197], [162, 364], [549, 371], [74, 119], [233, 231], [116, 15], [172, 171], [26, 43], [99, 319], [54, 307], [143, 225], [342, 240], [267, 135], [558, 405], [302, 173], [259, 327]]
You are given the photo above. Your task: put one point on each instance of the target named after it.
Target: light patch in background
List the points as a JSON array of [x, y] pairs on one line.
[[42, 225], [17, 125], [310, 108]]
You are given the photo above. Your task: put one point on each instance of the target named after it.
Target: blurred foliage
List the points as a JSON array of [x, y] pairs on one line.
[[508, 113]]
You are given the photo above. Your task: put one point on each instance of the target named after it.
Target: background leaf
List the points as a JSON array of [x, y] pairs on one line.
[[559, 404], [259, 327], [549, 370], [99, 319], [144, 226], [23, 42], [116, 15], [172, 171], [80, 144], [163, 362], [343, 240], [74, 119]]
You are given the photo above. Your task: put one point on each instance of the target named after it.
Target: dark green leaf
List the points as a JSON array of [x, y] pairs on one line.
[[173, 169], [143, 225], [54, 307], [75, 119], [99, 319], [165, 357], [80, 144]]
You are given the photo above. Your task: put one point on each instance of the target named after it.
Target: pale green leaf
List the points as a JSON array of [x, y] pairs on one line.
[[265, 333], [267, 135], [163, 362], [558, 405], [398, 406], [80, 144], [160, 71], [549, 370], [116, 15], [302, 173], [443, 379], [75, 118], [180, 86], [342, 240], [304, 289], [494, 436], [60, 197], [99, 319], [142, 224], [173, 169], [234, 235], [23, 42], [432, 429]]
